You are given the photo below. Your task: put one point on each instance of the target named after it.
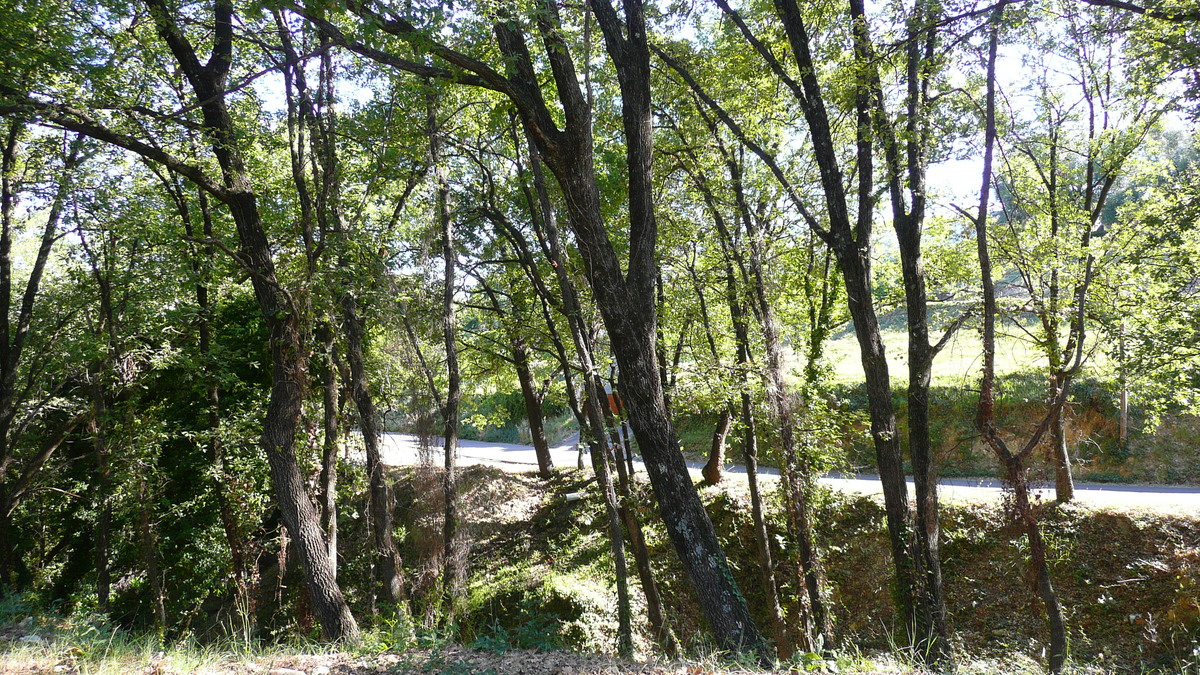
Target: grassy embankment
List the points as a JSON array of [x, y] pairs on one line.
[[539, 578]]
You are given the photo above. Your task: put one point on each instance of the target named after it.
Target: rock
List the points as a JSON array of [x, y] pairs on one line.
[[26, 622], [320, 670], [287, 671], [33, 639]]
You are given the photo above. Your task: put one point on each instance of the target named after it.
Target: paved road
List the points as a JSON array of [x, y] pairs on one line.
[[403, 449]]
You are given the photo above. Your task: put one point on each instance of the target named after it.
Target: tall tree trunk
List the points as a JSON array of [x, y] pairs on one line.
[[330, 416], [452, 565], [626, 301], [931, 616], [149, 551], [103, 522], [629, 315], [762, 539], [98, 426], [590, 413], [856, 272], [659, 626], [594, 400], [389, 569], [1014, 471], [533, 408], [289, 360]]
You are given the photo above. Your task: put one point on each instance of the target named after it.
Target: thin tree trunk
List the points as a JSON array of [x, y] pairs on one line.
[[1064, 484], [103, 526], [659, 625], [590, 413], [98, 427], [931, 631], [594, 407], [329, 446], [762, 538], [451, 570], [389, 569], [149, 551], [533, 409], [1014, 476], [797, 472]]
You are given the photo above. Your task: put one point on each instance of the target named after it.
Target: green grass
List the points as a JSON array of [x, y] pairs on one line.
[[959, 364], [90, 645]]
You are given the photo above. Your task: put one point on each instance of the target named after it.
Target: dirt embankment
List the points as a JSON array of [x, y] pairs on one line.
[[1129, 582]]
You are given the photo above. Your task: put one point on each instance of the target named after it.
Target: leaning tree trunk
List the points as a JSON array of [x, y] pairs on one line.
[[589, 412], [661, 628], [627, 306], [600, 465], [762, 540]]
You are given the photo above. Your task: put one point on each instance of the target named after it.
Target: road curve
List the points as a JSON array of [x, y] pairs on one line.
[[404, 449]]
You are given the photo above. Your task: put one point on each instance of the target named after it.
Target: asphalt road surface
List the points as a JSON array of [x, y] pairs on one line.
[[403, 449]]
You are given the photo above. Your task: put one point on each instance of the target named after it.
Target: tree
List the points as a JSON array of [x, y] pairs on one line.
[[1013, 463], [208, 83], [625, 299], [1060, 180], [23, 405]]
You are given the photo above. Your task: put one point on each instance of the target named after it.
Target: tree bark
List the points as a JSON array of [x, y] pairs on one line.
[[714, 468], [589, 412], [451, 563], [289, 361], [762, 539], [533, 409], [660, 627], [149, 551], [600, 452], [329, 446], [389, 570], [1064, 484]]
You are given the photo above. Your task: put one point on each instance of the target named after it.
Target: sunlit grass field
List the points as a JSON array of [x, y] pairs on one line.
[[960, 364]]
